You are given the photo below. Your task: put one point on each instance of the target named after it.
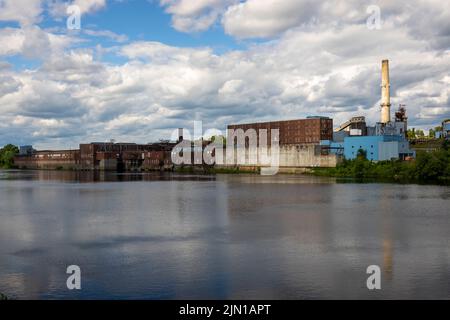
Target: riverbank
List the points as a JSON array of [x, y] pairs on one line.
[[427, 167], [3, 297]]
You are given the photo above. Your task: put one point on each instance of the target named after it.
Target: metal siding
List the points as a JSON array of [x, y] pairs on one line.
[[367, 143], [388, 150]]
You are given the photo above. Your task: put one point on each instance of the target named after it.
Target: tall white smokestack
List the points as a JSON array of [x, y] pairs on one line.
[[385, 93]]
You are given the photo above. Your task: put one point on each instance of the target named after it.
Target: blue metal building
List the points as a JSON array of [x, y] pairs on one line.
[[378, 148], [446, 128]]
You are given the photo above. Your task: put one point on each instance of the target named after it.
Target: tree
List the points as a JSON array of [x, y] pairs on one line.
[[362, 154], [431, 133], [411, 133], [220, 139], [7, 154], [420, 133]]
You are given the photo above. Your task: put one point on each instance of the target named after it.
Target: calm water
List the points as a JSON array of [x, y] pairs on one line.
[[155, 236]]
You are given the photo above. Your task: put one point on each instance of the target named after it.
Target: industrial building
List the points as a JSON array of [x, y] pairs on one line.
[[310, 130], [100, 156], [386, 140], [299, 144], [46, 159], [445, 132]]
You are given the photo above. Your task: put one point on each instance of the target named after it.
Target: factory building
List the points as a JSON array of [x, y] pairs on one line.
[[445, 133], [446, 128], [385, 141], [311, 130], [56, 159], [299, 144], [378, 148], [100, 156]]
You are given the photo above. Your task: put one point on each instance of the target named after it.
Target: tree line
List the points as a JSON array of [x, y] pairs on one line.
[[420, 134]]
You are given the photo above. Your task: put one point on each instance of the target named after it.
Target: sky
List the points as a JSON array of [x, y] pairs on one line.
[[136, 70]]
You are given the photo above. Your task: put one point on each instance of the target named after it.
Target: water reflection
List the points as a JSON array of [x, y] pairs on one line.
[[169, 236], [97, 176]]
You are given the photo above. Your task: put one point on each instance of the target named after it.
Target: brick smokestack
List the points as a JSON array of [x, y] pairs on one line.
[[385, 93]]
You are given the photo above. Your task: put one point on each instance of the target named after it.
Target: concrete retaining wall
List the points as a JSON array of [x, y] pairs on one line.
[[290, 156]]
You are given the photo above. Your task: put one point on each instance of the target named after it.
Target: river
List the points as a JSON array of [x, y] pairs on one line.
[[169, 236]]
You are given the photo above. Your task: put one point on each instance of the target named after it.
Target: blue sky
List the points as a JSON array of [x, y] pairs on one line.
[[138, 69], [146, 20], [138, 20]]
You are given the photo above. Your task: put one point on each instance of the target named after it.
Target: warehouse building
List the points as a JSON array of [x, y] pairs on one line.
[[102, 156], [299, 144], [52, 160], [311, 130]]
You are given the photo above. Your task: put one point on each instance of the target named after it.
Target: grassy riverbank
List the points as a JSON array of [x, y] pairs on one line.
[[428, 166]]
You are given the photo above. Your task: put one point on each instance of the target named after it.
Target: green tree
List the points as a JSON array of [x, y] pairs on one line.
[[362, 154], [7, 154], [431, 133], [219, 139], [431, 165], [420, 133], [411, 133]]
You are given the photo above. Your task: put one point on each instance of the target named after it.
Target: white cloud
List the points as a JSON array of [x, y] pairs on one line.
[[26, 12], [32, 42], [57, 8], [11, 40], [88, 6], [192, 16], [265, 18]]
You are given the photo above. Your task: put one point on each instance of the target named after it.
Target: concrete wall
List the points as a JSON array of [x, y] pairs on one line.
[[290, 156]]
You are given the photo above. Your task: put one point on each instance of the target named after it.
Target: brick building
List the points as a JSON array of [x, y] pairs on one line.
[[101, 156], [60, 159], [310, 131]]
